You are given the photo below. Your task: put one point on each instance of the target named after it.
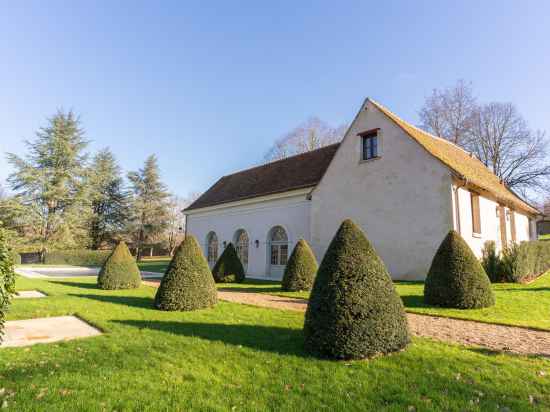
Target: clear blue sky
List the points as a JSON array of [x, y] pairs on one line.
[[208, 86]]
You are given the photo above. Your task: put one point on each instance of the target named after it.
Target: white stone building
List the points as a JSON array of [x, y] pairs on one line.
[[403, 186]]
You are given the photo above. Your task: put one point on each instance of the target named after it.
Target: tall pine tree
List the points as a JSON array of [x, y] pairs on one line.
[[109, 199], [150, 204], [49, 183]]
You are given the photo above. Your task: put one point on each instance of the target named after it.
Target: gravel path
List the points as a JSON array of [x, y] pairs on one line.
[[493, 337]]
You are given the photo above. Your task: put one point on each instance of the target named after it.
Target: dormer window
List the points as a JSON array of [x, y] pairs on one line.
[[369, 144]]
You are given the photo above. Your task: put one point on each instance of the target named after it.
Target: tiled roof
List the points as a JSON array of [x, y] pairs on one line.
[[296, 172], [461, 162]]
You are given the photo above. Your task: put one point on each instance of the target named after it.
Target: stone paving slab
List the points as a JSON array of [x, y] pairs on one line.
[[28, 294], [28, 332]]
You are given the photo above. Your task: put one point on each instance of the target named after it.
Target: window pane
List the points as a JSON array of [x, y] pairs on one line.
[[212, 248], [283, 255], [370, 146], [242, 247], [374, 146], [278, 234], [274, 255]]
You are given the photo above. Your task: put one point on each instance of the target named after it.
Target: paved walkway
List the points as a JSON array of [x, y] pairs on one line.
[[465, 332], [52, 272], [46, 330], [494, 337]]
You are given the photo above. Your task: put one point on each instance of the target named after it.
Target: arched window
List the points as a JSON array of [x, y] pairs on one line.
[[241, 246], [212, 247], [278, 246]]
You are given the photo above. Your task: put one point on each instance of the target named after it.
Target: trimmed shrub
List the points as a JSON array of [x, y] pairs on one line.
[[523, 262], [456, 278], [188, 283], [354, 311], [301, 268], [119, 271], [81, 257], [228, 268], [490, 260], [7, 278]]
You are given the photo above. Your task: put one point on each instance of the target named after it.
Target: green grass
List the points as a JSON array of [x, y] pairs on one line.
[[516, 304], [154, 265], [238, 357], [544, 237]]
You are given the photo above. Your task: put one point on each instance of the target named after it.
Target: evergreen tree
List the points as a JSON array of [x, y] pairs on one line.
[[354, 310], [301, 268], [456, 278], [150, 204], [119, 271], [109, 199], [228, 268], [49, 183], [188, 283]]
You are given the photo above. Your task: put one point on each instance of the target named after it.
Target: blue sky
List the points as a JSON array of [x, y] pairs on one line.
[[208, 86]]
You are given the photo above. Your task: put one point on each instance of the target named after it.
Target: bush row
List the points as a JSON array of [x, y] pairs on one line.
[[516, 263], [80, 257]]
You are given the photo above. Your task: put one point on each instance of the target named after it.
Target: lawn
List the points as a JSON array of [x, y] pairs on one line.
[[238, 357], [516, 304], [154, 265]]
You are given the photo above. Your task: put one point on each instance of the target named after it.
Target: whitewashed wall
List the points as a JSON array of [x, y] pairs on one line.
[[490, 223], [257, 218], [402, 200]]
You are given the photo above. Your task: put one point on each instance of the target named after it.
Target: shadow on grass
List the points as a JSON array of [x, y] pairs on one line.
[[279, 340], [133, 301], [78, 285], [414, 301]]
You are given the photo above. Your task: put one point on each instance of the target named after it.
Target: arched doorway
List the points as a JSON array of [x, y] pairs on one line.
[[212, 248], [277, 251], [241, 246]]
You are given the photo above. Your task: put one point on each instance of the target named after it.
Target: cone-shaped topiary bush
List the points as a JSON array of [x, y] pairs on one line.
[[188, 283], [301, 268], [456, 278], [120, 270], [354, 311], [228, 268]]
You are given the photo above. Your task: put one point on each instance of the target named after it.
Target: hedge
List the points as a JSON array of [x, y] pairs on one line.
[[520, 263], [354, 311], [188, 283], [119, 271], [7, 278], [81, 257], [456, 278], [301, 268], [491, 262]]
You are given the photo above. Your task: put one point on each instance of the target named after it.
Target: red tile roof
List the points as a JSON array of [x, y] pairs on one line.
[[295, 172]]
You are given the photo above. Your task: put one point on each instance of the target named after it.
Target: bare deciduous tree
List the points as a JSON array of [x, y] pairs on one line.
[[495, 132], [310, 135], [502, 140], [448, 113]]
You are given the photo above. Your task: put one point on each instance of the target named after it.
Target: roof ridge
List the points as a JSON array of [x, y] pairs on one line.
[[281, 160], [485, 180], [418, 128]]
